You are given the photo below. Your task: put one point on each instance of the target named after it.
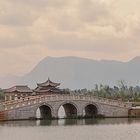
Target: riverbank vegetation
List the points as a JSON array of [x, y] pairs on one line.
[[120, 92], [1, 95]]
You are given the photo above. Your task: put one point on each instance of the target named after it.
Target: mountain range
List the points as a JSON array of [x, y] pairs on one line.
[[78, 73]]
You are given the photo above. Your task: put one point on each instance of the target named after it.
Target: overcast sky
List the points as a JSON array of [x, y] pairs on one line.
[[99, 29]]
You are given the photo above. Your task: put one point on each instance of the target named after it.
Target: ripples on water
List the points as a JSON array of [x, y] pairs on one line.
[[71, 129]]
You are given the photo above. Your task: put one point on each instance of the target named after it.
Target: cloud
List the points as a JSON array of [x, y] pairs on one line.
[[13, 14], [92, 11], [100, 28]]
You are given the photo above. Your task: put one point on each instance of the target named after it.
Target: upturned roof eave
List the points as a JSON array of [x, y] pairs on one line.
[[48, 83]]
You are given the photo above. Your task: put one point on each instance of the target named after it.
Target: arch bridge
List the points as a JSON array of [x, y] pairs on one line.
[[74, 106]]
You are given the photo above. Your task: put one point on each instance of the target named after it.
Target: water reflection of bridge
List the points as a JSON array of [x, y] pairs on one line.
[[63, 122]]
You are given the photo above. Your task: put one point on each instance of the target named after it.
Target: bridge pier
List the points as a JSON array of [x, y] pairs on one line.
[[19, 114]]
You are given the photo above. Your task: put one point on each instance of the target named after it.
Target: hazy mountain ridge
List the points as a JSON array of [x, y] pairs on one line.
[[75, 72]]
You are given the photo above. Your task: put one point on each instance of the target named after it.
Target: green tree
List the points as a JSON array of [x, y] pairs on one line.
[[1, 95]]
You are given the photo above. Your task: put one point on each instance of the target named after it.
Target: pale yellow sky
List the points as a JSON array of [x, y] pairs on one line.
[[99, 29]]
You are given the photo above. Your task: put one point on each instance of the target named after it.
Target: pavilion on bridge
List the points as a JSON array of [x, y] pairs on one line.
[[17, 92], [22, 91], [47, 87]]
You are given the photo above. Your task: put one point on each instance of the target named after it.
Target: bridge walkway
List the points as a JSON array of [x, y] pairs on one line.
[[32, 100]]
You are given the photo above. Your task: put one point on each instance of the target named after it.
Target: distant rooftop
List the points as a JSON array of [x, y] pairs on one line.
[[48, 83], [18, 88]]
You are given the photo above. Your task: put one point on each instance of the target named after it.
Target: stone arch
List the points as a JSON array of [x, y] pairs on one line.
[[91, 110], [70, 108], [46, 111]]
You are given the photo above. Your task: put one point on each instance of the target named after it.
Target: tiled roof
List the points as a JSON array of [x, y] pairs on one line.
[[48, 83], [47, 90], [18, 88]]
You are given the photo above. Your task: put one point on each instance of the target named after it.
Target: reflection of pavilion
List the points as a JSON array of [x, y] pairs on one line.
[[22, 91]]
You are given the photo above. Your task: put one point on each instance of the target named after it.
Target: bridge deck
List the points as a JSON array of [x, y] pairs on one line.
[[31, 100]]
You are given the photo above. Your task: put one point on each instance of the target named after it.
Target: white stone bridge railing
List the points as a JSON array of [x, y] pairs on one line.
[[32, 100]]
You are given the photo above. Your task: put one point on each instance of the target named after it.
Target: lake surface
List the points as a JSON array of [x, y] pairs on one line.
[[84, 129]]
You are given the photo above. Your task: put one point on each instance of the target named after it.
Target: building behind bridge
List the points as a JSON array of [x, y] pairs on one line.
[[22, 91]]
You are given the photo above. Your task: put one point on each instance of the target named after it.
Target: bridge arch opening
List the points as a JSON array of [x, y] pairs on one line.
[[67, 110], [90, 111], [44, 112]]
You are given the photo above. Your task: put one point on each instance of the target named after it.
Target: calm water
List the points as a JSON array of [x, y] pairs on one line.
[[88, 129]]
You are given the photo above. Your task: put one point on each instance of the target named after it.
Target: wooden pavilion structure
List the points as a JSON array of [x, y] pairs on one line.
[[17, 92], [47, 87], [22, 91]]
